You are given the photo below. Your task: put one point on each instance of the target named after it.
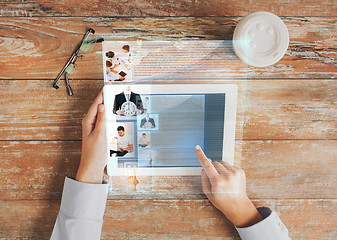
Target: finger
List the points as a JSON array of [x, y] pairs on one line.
[[228, 166], [90, 118], [100, 119], [93, 108], [220, 168], [206, 163], [206, 184], [235, 167]]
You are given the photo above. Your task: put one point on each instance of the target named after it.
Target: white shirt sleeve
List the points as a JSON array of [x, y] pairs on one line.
[[81, 212], [270, 228]]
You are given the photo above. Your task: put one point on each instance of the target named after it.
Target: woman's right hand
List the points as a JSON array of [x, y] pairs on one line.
[[225, 186]]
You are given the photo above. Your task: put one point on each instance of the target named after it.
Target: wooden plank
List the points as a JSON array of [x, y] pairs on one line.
[[200, 220], [147, 219], [165, 8], [290, 169], [42, 112], [288, 109], [28, 219], [38, 48], [274, 169], [267, 109], [37, 169]]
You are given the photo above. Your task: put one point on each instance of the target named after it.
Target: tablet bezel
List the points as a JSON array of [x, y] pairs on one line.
[[230, 91]]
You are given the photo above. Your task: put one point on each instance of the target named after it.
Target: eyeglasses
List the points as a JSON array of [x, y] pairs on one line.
[[69, 67]]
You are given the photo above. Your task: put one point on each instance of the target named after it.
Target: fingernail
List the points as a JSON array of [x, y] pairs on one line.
[[197, 147], [101, 108]]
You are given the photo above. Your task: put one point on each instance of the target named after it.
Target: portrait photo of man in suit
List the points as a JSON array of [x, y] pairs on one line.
[[134, 104], [147, 122]]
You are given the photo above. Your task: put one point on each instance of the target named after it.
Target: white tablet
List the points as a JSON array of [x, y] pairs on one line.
[[153, 129]]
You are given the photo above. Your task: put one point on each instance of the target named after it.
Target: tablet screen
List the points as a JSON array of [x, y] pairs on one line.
[[161, 130]]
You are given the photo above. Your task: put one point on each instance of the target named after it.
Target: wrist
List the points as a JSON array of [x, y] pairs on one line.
[[90, 174], [243, 213]]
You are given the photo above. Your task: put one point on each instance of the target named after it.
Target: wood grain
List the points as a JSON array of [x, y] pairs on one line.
[[37, 169], [38, 48], [286, 124], [267, 109], [17, 8], [128, 219], [292, 169]]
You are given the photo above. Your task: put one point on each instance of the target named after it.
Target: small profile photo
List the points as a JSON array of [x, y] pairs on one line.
[[146, 103], [148, 158], [144, 139], [148, 121], [121, 140]]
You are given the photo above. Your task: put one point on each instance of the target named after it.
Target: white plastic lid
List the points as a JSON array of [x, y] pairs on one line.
[[260, 39]]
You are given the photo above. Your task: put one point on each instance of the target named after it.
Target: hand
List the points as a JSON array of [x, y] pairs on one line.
[[225, 186], [134, 182], [94, 144], [120, 112]]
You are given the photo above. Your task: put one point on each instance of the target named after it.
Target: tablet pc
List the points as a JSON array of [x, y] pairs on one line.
[[153, 129]]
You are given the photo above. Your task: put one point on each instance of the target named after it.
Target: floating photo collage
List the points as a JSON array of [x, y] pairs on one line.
[[130, 134]]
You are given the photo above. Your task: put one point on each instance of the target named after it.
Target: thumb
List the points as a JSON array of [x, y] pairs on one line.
[[100, 120]]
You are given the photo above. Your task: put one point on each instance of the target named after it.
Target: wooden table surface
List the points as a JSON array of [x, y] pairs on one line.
[[286, 133]]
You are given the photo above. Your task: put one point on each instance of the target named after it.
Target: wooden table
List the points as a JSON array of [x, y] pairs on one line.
[[286, 132]]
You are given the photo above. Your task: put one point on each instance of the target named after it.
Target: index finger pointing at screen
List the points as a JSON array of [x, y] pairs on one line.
[[206, 163]]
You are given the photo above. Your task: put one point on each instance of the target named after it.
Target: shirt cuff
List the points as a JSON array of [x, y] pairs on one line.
[[271, 227], [84, 200]]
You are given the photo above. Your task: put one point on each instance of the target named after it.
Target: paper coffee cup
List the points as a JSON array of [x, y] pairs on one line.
[[260, 39]]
